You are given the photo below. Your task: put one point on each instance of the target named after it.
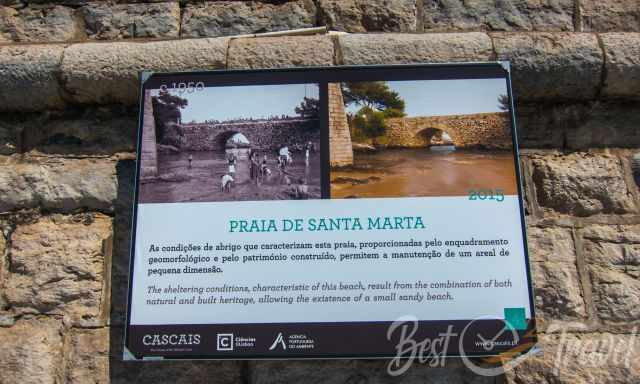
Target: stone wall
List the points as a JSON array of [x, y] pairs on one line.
[[67, 140], [268, 134], [481, 130]]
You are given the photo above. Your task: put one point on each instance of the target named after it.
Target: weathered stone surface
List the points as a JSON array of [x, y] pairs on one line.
[[39, 24], [552, 65], [582, 184], [581, 359], [3, 256], [18, 3], [117, 21], [57, 266], [280, 52], [228, 18], [8, 138], [31, 352], [613, 257], [551, 245], [115, 66], [393, 48], [88, 360], [359, 371], [57, 184], [557, 291], [187, 372], [3, 244], [543, 125], [579, 125], [604, 124], [610, 15], [623, 64], [90, 131], [557, 287], [518, 15], [28, 77], [368, 16], [527, 196]]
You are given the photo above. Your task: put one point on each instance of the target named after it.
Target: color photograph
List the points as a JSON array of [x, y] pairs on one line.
[[235, 143], [420, 138]]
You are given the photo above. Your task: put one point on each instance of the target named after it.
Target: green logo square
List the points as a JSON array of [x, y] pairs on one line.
[[515, 318]]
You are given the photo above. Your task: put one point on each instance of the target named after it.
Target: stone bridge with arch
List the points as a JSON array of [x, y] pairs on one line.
[[481, 130], [262, 134], [268, 134]]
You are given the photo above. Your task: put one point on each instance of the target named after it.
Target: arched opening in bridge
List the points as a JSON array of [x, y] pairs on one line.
[[238, 140], [233, 142], [436, 138], [231, 139]]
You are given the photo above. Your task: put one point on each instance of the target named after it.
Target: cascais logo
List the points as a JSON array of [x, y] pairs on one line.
[[171, 339]]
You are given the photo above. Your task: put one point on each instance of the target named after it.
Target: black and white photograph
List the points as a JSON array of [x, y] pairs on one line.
[[231, 143]]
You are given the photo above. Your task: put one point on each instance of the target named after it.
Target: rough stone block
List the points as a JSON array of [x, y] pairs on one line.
[[31, 352], [57, 184], [623, 64], [3, 256], [28, 77], [393, 48], [558, 292], [558, 295], [39, 24], [280, 52], [57, 266], [581, 358], [368, 16], [8, 138], [610, 15], [605, 124], [518, 15], [526, 197], [90, 131], [543, 125], [551, 245], [18, 3], [117, 21], [3, 245], [178, 372], [228, 18], [360, 371], [579, 125], [552, 65], [582, 184], [115, 66], [88, 360], [613, 257]]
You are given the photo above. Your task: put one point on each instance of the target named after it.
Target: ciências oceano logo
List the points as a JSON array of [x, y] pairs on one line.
[[231, 342]]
